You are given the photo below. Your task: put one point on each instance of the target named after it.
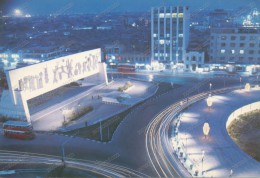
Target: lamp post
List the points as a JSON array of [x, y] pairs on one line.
[[62, 112], [78, 109], [231, 173], [240, 81], [186, 143], [181, 103], [206, 129], [210, 85], [63, 149], [202, 159], [100, 130], [247, 87], [209, 102]]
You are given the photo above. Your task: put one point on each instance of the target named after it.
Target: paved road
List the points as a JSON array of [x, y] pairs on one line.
[[221, 154], [104, 169], [129, 139]]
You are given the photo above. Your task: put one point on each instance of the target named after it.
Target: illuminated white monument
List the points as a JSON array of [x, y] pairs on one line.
[[206, 129], [31, 81]]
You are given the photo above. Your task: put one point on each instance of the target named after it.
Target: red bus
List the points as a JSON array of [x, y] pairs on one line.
[[126, 67], [18, 129]]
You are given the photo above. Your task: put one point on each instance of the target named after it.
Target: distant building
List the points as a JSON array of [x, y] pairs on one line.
[[136, 58], [235, 45], [193, 60], [42, 53], [169, 33], [113, 53], [219, 18]]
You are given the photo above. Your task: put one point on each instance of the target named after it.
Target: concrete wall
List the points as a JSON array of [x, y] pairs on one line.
[[242, 110]]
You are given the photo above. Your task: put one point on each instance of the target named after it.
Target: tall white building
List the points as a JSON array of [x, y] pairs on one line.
[[169, 33], [235, 45]]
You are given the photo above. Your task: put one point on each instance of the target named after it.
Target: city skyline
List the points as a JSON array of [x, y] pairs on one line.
[[38, 7]]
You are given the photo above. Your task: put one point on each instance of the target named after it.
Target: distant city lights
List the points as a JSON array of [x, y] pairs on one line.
[[17, 12]]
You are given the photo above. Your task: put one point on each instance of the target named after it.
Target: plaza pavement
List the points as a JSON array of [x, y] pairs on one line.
[[51, 115], [221, 154]]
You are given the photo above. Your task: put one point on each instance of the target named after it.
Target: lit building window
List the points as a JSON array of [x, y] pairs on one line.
[[241, 51], [181, 35], [154, 35], [223, 51], [223, 37], [161, 41], [233, 51]]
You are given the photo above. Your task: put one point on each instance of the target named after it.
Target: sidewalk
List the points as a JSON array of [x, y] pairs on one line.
[[52, 117], [217, 154]]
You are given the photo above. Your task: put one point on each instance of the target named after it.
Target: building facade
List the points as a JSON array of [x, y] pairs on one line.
[[235, 45], [193, 60], [219, 18], [169, 33]]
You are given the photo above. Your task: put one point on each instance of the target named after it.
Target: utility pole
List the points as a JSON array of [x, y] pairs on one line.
[[100, 130]]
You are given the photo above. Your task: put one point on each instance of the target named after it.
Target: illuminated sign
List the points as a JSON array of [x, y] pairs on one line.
[[43, 77], [173, 15]]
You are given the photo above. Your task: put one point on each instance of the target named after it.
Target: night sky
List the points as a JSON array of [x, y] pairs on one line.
[[45, 7]]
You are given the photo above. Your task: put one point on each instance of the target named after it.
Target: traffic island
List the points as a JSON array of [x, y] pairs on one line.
[[245, 132]]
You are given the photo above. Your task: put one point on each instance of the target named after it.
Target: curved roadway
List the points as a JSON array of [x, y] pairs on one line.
[[128, 146]]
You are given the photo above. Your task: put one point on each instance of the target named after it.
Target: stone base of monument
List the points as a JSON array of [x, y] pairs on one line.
[[8, 109]]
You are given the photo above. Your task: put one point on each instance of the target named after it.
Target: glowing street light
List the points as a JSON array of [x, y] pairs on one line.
[[150, 77], [231, 173], [210, 85], [209, 102], [202, 159], [247, 87], [206, 129], [17, 12]]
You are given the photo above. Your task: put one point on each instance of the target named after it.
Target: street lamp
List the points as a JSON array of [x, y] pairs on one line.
[[240, 81], [63, 114], [78, 109], [202, 159], [206, 129], [209, 102], [231, 173], [150, 78], [17, 12], [210, 85], [62, 147], [247, 87], [186, 143]]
